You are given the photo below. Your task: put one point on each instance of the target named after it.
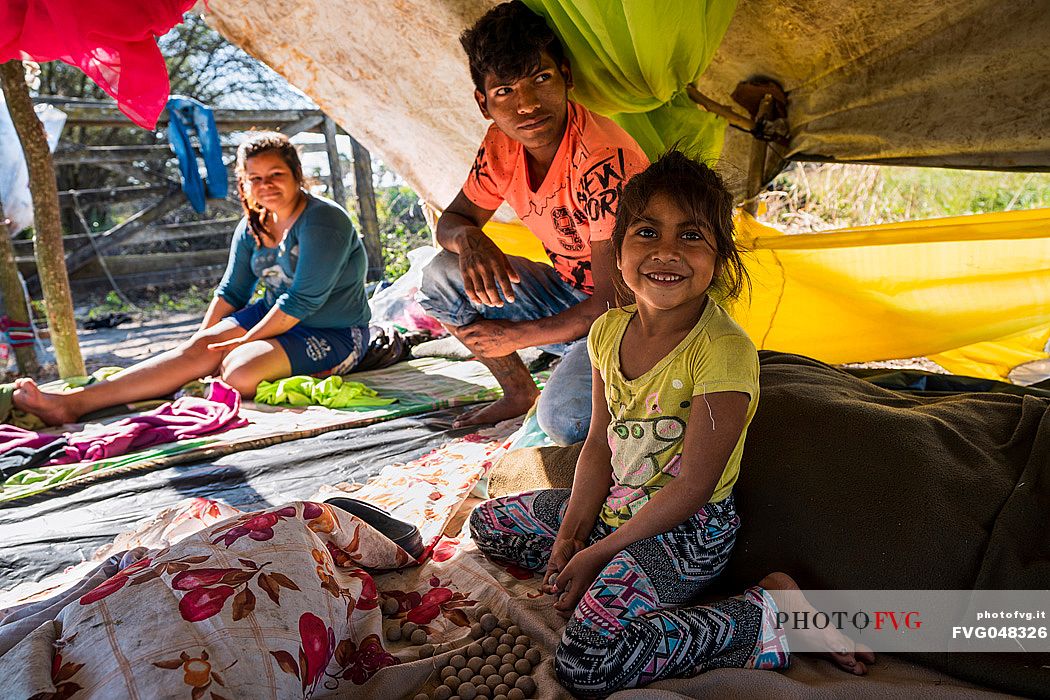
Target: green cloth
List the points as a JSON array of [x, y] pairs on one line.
[[631, 61], [333, 392]]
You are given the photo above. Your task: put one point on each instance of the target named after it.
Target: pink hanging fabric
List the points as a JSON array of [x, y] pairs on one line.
[[113, 41]]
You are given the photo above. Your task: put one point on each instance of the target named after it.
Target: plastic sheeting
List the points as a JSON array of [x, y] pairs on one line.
[[917, 81], [893, 291], [14, 176]]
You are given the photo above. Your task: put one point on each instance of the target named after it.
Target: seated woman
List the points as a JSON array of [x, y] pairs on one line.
[[313, 317]]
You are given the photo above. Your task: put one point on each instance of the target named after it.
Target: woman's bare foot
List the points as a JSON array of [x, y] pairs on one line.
[[511, 406], [841, 650], [53, 409]]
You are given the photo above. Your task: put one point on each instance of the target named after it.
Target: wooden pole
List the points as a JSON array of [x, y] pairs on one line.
[[366, 210], [50, 257], [14, 301], [335, 168], [756, 168]]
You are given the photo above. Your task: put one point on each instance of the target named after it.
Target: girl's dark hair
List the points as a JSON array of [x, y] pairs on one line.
[[507, 42], [257, 143], [700, 192]]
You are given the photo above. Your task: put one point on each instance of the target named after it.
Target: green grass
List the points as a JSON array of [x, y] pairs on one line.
[[814, 197]]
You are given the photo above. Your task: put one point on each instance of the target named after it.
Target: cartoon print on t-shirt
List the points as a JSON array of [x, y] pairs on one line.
[[637, 445]]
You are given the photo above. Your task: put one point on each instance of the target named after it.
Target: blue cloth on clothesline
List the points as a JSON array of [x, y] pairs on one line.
[[188, 118]]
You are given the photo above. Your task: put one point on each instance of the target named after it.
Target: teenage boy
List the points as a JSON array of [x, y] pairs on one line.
[[561, 168]]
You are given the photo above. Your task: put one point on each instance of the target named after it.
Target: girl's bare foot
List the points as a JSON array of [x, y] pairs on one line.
[[53, 409], [841, 650], [510, 406]]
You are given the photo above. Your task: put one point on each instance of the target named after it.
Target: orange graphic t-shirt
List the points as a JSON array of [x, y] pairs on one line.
[[576, 203]]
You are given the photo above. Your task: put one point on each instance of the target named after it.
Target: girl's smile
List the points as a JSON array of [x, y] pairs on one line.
[[667, 258]]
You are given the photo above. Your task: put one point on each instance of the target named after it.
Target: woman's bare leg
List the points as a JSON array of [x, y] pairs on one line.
[[254, 362], [157, 376]]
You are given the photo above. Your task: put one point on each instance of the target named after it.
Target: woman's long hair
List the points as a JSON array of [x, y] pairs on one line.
[[257, 143]]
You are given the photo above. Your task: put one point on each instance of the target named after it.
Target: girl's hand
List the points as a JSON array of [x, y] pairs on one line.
[[577, 576], [561, 553]]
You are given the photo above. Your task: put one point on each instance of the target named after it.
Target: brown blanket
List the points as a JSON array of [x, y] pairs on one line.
[[845, 485]]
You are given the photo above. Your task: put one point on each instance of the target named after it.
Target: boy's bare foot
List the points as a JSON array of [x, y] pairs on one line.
[[841, 650], [53, 409], [510, 406]]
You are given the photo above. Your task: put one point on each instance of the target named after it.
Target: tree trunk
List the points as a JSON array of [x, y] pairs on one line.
[[366, 210], [50, 256], [334, 166], [14, 301]]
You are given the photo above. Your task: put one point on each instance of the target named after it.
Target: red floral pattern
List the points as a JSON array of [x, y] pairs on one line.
[[360, 662]]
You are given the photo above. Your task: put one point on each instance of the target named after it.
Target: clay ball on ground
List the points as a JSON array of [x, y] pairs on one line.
[[422, 696], [509, 658], [474, 663], [477, 679], [488, 622], [506, 639], [474, 649], [505, 669], [497, 632], [453, 682], [523, 639], [511, 678], [502, 649], [502, 688], [477, 631], [506, 622], [468, 692], [522, 666], [393, 633], [515, 694], [390, 606], [482, 610], [419, 637], [442, 692], [426, 651], [500, 697], [458, 661], [483, 691], [408, 628], [488, 670], [533, 656], [527, 685], [519, 650], [514, 630], [493, 660], [447, 671], [465, 674], [488, 645]]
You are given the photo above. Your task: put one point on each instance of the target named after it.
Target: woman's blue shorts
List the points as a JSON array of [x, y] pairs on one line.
[[312, 350]]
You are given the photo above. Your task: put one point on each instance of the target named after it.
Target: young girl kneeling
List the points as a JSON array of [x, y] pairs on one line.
[[650, 519]]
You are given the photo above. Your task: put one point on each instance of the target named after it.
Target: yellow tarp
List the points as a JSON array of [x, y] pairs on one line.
[[952, 289]]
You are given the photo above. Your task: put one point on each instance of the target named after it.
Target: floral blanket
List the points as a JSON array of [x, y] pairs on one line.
[[280, 603]]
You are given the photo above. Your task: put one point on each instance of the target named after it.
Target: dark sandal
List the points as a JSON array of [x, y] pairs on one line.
[[404, 535]]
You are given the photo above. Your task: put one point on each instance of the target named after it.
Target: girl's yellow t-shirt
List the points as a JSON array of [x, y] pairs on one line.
[[649, 414]]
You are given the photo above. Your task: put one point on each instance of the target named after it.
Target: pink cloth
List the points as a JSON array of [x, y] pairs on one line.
[[112, 41], [183, 419]]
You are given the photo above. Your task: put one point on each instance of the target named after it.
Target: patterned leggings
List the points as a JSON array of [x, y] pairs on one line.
[[636, 625]]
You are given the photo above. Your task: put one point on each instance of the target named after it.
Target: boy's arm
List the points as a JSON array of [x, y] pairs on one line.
[[484, 266], [715, 423], [499, 338]]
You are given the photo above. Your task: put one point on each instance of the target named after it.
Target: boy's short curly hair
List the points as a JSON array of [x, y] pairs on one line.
[[507, 42]]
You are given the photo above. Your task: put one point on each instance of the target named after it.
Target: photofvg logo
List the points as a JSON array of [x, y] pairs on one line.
[[915, 621]]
